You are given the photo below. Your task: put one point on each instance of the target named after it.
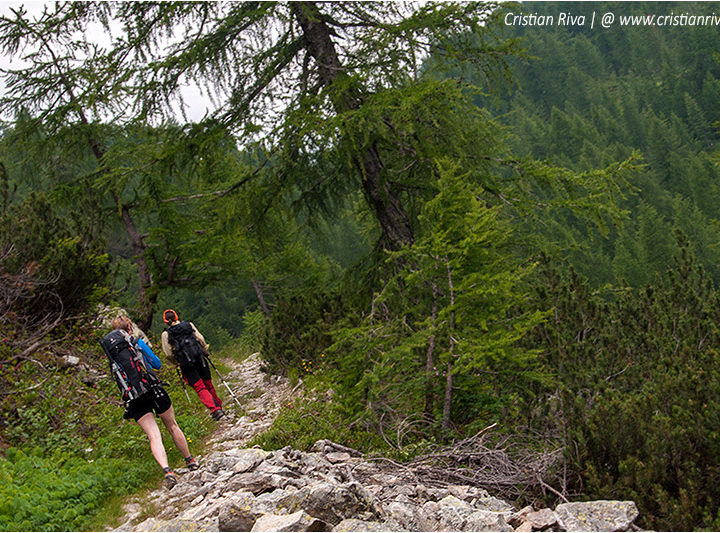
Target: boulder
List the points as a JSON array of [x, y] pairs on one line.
[[239, 514], [153, 524], [408, 516], [454, 514], [338, 457], [248, 459], [490, 503], [327, 446], [186, 492], [67, 361], [285, 469], [353, 524], [208, 509], [281, 501], [518, 517], [333, 503], [207, 477], [104, 315], [603, 515], [398, 491], [467, 493], [221, 461], [542, 519], [316, 465], [486, 521], [255, 482], [299, 521]]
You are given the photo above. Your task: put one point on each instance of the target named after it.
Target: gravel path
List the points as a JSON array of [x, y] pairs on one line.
[[261, 396]]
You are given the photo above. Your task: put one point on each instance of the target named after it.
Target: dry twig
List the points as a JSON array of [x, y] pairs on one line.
[[507, 468]]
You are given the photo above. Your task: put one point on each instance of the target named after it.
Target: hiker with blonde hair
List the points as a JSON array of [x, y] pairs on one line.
[[132, 362]]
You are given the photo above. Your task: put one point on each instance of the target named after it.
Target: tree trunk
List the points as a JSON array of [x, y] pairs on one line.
[[260, 297], [394, 221], [430, 359], [146, 295], [447, 403], [390, 212], [449, 379]]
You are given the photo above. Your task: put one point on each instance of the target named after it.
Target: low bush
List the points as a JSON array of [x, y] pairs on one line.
[[42, 492], [636, 394], [302, 423], [299, 329]]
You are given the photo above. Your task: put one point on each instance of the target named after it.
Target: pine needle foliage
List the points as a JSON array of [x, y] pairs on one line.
[[452, 310], [277, 72], [635, 391]]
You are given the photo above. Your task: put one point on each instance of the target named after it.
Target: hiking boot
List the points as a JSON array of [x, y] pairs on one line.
[[191, 463], [217, 415], [170, 480]]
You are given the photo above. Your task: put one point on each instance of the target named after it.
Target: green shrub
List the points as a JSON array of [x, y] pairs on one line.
[[254, 324], [60, 257], [637, 394], [49, 493], [299, 329], [302, 423]]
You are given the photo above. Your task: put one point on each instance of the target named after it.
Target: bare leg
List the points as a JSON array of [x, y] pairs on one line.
[[147, 422], [168, 418]]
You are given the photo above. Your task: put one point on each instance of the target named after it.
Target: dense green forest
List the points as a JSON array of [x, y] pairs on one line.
[[447, 220]]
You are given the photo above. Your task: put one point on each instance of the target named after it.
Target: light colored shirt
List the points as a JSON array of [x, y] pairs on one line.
[[167, 348]]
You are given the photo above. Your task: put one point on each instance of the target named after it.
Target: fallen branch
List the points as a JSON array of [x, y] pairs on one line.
[[556, 493], [322, 445], [9, 393], [507, 468]]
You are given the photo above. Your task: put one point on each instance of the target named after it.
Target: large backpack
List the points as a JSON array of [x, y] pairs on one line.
[[187, 350], [127, 366]]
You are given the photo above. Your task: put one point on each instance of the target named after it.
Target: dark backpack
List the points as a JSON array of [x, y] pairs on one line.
[[187, 350], [127, 366]]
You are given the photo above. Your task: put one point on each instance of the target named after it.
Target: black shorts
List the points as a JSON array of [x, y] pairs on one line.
[[147, 403], [194, 373]]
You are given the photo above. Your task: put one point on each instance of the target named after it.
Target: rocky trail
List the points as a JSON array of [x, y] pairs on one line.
[[330, 488]]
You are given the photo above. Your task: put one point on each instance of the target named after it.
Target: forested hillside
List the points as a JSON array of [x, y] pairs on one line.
[[448, 221], [586, 98]]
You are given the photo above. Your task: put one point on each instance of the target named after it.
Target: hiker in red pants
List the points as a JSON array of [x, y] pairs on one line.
[[184, 345]]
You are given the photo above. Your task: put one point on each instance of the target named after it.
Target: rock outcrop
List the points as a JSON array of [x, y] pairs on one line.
[[333, 488]]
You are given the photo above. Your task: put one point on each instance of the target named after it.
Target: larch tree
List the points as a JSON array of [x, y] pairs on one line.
[[294, 71]]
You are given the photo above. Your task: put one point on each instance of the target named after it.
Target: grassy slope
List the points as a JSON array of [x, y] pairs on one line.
[[69, 461]]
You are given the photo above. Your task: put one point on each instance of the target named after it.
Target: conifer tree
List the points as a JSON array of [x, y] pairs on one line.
[[297, 61], [455, 311]]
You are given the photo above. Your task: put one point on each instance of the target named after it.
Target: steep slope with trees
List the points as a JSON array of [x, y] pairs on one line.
[[590, 97]]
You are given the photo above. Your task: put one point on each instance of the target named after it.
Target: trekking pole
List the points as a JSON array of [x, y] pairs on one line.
[[207, 357], [118, 374], [182, 381]]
